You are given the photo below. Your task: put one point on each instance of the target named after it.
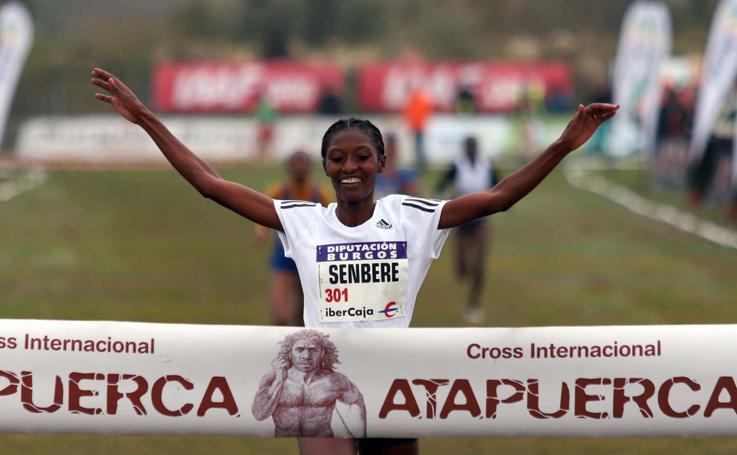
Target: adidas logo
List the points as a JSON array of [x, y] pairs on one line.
[[383, 224]]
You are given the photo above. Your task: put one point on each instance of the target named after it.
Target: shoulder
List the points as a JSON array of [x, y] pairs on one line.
[[300, 206], [420, 205], [298, 210], [339, 380]]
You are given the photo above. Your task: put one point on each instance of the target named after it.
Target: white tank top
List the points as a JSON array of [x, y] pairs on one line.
[[367, 275], [472, 177]]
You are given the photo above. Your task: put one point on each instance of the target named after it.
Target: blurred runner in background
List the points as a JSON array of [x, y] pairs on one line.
[[468, 175], [286, 291], [394, 179]]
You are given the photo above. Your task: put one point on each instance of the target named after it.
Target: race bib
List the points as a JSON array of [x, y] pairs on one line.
[[362, 281]]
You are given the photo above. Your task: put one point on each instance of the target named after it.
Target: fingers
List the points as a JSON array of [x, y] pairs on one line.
[[101, 73], [113, 84], [103, 97], [106, 80], [601, 108], [101, 83]]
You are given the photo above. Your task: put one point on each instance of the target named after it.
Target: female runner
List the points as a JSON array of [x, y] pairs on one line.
[[370, 256]]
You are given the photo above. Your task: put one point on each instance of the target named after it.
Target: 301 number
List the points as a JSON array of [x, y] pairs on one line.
[[336, 295]]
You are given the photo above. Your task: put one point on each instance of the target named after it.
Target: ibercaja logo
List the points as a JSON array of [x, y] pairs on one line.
[[390, 310]]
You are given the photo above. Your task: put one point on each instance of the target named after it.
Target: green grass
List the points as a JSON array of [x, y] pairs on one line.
[[640, 181], [142, 246]]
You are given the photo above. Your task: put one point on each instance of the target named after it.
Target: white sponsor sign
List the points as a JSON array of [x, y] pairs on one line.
[[16, 38], [110, 377], [109, 139], [717, 76], [644, 45]]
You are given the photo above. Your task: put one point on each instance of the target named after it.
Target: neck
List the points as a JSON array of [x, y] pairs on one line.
[[355, 213], [300, 376]]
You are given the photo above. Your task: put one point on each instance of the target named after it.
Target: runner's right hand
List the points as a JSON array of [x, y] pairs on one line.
[[118, 95]]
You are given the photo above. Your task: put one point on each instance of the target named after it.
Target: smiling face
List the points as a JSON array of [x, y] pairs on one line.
[[306, 355], [352, 162]]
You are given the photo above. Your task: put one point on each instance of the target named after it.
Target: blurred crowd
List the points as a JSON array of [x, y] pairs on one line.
[[705, 176]]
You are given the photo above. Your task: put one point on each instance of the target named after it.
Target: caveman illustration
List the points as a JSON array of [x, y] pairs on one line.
[[301, 392]]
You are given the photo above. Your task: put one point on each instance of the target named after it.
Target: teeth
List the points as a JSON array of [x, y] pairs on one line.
[[351, 180]]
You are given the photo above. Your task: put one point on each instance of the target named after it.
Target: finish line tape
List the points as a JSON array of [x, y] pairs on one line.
[[124, 378]]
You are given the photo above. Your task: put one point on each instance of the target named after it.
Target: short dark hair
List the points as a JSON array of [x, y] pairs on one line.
[[470, 142], [353, 123]]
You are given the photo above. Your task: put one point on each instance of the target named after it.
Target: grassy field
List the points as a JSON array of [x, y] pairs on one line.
[[142, 246]]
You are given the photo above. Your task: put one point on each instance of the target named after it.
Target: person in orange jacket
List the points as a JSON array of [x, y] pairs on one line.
[[416, 114]]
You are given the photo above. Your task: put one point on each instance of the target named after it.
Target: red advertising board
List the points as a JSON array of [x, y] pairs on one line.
[[292, 87], [497, 86]]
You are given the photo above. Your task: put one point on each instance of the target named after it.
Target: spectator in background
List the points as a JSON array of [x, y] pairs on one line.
[[558, 101], [416, 114], [266, 116], [465, 100], [468, 175], [701, 171], [530, 106], [330, 103], [732, 202], [394, 180], [286, 291], [673, 134], [601, 94]]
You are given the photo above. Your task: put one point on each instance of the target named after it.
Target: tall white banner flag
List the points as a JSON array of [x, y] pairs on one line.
[[16, 38], [733, 182], [718, 74], [644, 45]]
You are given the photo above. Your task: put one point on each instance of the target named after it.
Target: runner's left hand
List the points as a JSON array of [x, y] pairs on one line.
[[585, 122]]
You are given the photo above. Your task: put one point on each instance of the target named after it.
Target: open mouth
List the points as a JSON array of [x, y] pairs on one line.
[[350, 180]]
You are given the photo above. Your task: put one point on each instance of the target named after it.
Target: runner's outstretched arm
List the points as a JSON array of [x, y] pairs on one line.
[[516, 186], [245, 201]]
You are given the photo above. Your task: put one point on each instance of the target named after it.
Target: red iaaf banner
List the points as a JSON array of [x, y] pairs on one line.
[[111, 377], [497, 86], [291, 87]]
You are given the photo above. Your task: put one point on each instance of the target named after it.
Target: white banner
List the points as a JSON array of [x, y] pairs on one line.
[[644, 46], [108, 139], [16, 38], [717, 75], [111, 377]]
